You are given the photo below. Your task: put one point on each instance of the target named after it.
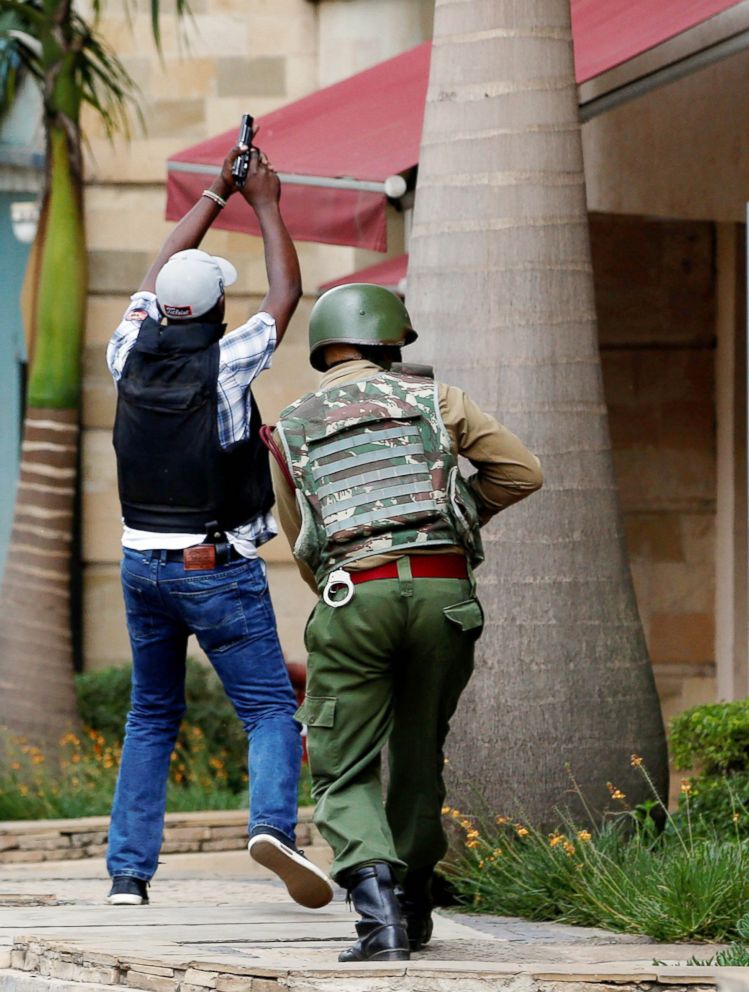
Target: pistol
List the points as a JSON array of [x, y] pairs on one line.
[[242, 162]]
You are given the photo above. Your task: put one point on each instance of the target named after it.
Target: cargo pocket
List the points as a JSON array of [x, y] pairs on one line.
[[318, 714], [317, 711], [467, 615]]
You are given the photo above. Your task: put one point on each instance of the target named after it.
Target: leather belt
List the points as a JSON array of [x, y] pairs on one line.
[[422, 567]]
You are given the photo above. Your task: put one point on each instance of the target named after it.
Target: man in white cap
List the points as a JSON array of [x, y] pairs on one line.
[[196, 496]]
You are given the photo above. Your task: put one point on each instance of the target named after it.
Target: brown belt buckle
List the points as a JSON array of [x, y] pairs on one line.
[[199, 558]]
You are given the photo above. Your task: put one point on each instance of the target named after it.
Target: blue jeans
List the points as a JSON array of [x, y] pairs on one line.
[[230, 612]]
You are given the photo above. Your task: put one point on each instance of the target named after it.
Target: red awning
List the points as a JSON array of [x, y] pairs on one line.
[[368, 127], [389, 274], [608, 32]]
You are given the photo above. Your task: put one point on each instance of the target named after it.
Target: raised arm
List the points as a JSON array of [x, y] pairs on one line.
[[191, 230], [262, 191]]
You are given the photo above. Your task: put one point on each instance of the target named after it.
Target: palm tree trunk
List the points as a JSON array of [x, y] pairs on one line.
[[37, 698], [500, 285]]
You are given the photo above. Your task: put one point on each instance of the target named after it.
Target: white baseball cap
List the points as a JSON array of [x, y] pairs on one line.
[[191, 283]]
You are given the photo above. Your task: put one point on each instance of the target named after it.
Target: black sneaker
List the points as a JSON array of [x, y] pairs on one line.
[[305, 882], [128, 891]]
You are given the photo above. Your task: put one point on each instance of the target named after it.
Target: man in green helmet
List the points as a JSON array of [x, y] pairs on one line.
[[386, 529]]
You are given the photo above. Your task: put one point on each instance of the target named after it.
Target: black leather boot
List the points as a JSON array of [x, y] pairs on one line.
[[415, 897], [381, 930]]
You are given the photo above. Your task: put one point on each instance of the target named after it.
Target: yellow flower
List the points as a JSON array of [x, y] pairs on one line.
[[456, 814], [481, 863], [615, 793], [472, 843], [735, 817], [555, 839], [466, 824], [686, 786], [472, 834], [585, 836], [497, 852], [521, 830], [445, 810], [502, 820], [569, 848], [635, 761]]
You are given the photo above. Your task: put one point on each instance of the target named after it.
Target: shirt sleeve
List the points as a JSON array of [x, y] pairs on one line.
[[506, 470], [142, 305], [248, 350], [244, 354]]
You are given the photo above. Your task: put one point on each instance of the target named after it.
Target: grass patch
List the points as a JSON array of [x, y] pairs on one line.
[[624, 875]]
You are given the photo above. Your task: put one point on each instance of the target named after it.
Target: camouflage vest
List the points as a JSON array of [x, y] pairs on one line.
[[375, 473]]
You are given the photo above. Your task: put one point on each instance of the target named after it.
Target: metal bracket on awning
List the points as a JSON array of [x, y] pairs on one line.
[[393, 187], [670, 73]]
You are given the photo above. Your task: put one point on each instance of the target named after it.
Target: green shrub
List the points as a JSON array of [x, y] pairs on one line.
[[104, 700], [623, 875], [714, 740], [79, 779]]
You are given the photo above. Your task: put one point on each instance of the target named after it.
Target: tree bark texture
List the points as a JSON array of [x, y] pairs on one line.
[[500, 287], [36, 693]]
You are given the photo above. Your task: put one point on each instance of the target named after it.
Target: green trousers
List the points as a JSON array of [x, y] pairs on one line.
[[387, 668]]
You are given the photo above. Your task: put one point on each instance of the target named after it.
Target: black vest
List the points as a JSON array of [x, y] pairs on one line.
[[172, 472]]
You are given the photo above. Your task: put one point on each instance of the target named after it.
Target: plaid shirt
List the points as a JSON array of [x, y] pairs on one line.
[[243, 354]]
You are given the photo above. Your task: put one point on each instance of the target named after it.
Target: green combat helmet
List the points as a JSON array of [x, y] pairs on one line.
[[357, 313]]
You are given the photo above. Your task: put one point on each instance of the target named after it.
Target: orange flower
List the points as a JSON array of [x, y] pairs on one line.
[[615, 793]]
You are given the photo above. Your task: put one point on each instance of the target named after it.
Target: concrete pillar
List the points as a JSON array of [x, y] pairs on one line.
[[731, 634]]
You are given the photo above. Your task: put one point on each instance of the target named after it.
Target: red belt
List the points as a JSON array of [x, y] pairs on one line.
[[422, 567]]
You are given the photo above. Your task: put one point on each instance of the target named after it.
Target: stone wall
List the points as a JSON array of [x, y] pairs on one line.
[[184, 833], [655, 295]]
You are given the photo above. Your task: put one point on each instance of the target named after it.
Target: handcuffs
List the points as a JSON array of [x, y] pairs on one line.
[[339, 577]]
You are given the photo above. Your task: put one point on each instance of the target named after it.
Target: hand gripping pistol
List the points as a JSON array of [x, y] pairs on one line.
[[242, 162]]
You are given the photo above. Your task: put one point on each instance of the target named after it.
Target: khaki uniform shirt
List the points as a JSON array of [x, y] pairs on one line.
[[507, 471]]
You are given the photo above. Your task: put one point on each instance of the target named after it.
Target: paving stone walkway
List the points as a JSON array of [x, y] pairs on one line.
[[219, 922]]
